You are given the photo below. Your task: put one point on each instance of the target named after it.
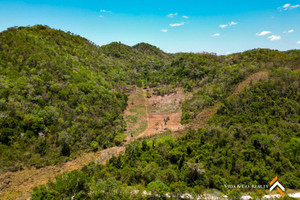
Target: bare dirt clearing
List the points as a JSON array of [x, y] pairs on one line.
[[168, 103], [164, 112]]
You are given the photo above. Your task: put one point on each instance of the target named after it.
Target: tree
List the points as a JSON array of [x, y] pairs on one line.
[[158, 189], [64, 139], [42, 193], [294, 147], [94, 145], [178, 189]]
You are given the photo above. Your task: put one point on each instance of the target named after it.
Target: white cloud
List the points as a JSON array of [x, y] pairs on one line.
[[223, 26], [291, 31], [102, 11], [216, 35], [229, 24], [296, 6], [274, 37], [105, 11], [164, 30], [185, 17], [232, 23], [263, 33], [171, 15], [298, 42], [289, 6], [177, 24], [286, 6]]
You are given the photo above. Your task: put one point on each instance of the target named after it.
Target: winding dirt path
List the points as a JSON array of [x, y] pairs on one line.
[[202, 118], [246, 83]]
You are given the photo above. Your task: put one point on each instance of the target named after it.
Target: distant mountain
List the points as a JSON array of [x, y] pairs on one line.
[[119, 50], [150, 50]]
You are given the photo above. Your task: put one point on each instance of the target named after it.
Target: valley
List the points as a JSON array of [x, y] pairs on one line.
[[81, 121], [139, 124]]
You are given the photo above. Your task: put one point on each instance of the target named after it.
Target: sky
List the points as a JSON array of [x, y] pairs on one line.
[[218, 26]]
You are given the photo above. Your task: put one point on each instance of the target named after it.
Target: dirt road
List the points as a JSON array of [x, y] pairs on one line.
[[16, 184]]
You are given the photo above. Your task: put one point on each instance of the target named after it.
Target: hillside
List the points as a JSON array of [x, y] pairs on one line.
[[55, 98], [61, 96], [253, 137]]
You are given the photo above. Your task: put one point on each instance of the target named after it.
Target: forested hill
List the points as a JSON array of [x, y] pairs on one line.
[[61, 95], [56, 97]]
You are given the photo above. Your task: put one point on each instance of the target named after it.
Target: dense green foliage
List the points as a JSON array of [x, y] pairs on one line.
[[212, 77], [61, 95], [55, 99], [252, 138], [218, 79]]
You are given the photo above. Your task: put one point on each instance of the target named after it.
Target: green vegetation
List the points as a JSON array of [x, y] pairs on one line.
[[222, 74], [61, 95], [59, 92], [132, 119], [136, 121], [164, 90], [252, 138], [55, 98]]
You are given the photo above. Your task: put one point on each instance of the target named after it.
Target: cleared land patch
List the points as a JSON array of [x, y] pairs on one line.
[[135, 114], [164, 112]]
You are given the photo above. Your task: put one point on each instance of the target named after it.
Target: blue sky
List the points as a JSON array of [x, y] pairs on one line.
[[174, 26]]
